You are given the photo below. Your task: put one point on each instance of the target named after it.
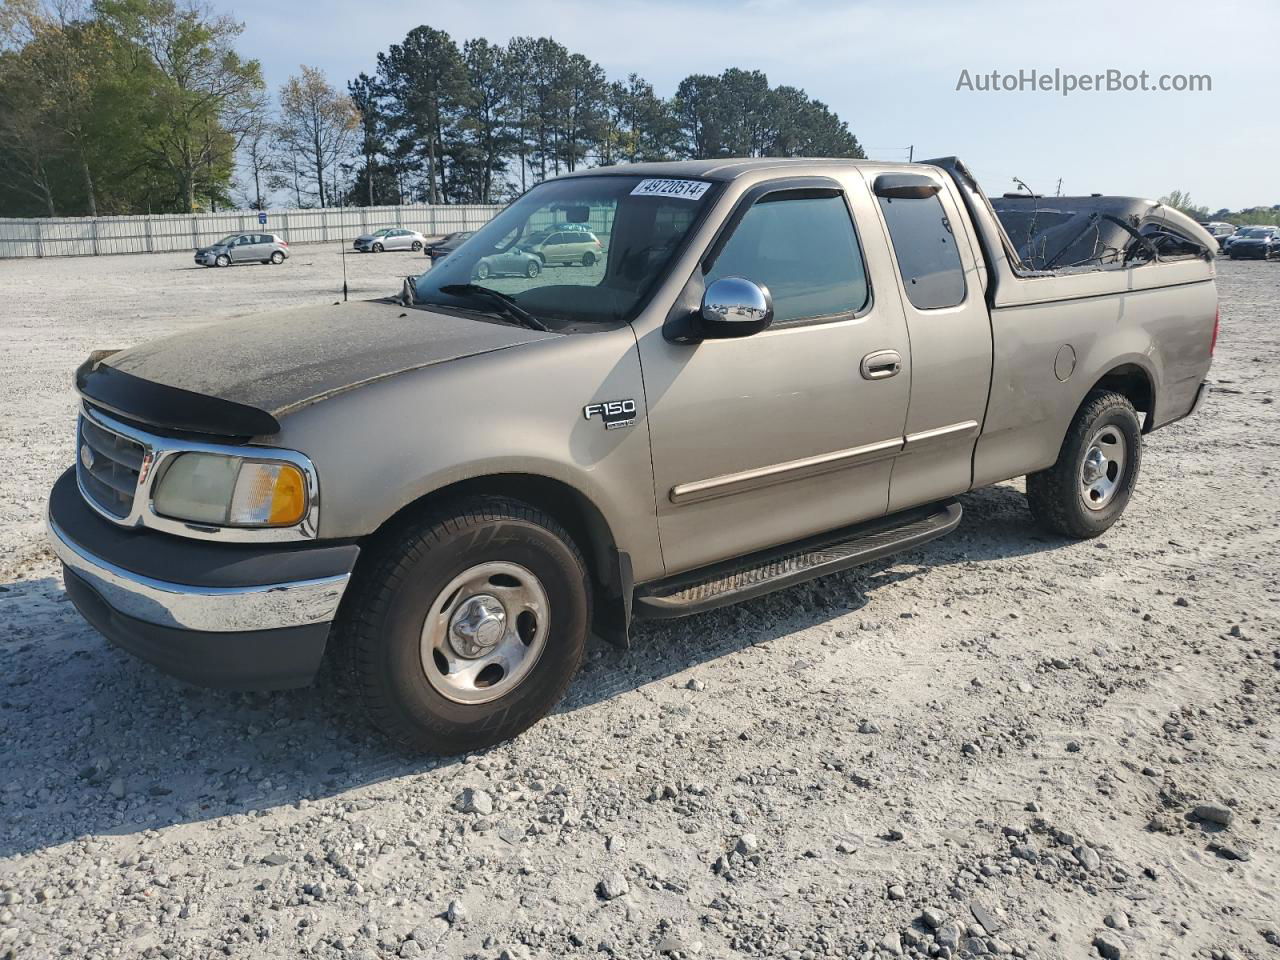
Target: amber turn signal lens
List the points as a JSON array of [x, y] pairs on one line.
[[289, 498], [268, 495]]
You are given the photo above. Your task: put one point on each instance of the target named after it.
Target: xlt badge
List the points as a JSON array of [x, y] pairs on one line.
[[613, 413]]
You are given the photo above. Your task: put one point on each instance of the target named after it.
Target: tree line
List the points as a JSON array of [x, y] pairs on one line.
[[128, 106], [476, 123], [1248, 216], [137, 106]]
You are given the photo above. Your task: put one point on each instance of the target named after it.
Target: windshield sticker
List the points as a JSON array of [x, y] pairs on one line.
[[684, 189]]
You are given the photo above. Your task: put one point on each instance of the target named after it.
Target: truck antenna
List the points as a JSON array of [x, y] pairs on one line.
[[342, 244]]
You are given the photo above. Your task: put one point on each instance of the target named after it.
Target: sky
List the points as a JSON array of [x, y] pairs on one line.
[[891, 71]]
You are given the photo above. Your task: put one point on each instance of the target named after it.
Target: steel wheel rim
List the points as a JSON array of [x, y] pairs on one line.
[[1103, 468], [484, 632]]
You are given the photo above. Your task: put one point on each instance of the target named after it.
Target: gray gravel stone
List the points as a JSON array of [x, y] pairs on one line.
[[1109, 946], [1214, 813], [612, 885], [474, 801]]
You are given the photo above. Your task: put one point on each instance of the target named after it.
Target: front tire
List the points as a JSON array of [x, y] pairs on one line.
[[377, 248], [222, 261], [1089, 485], [532, 269], [482, 271], [466, 627]]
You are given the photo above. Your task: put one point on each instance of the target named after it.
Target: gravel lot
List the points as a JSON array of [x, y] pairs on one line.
[[996, 744]]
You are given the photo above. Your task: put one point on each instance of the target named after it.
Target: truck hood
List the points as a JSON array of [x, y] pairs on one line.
[[236, 377]]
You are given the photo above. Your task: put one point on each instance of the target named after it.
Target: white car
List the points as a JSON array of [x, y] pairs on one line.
[[391, 238]]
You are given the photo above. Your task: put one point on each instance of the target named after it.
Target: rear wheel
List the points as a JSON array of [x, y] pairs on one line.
[[1090, 483], [482, 270], [467, 627], [277, 257], [588, 259], [417, 245], [532, 269]]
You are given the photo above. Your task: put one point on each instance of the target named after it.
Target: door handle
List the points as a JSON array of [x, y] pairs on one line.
[[881, 365]]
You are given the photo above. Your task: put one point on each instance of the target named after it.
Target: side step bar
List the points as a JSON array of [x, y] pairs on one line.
[[759, 573]]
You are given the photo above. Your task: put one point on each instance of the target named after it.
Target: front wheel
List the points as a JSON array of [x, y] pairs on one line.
[[466, 628], [482, 271], [222, 261], [1090, 483], [532, 269], [377, 248]]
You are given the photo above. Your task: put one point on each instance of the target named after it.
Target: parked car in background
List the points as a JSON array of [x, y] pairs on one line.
[[1241, 231], [447, 244], [1219, 230], [564, 247], [515, 262], [1255, 243], [391, 238], [244, 248]]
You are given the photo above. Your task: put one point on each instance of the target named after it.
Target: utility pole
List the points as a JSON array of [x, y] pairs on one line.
[[1059, 191], [911, 153]]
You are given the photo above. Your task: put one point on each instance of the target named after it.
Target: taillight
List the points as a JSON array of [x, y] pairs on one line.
[[1217, 322]]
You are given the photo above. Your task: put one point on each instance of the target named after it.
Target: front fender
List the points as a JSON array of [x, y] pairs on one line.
[[383, 446]]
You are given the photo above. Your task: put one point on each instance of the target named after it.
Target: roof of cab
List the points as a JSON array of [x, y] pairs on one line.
[[724, 168]]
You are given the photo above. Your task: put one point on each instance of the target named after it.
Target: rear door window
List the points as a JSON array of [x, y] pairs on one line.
[[805, 250], [925, 245]]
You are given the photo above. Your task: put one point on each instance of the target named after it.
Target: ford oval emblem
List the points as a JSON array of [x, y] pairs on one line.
[[86, 456]]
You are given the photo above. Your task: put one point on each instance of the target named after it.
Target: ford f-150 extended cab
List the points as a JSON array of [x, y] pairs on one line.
[[768, 371]]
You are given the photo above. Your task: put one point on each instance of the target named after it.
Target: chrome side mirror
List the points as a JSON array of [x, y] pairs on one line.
[[735, 307]]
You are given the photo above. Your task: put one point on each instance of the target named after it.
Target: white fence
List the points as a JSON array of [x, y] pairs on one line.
[[168, 233]]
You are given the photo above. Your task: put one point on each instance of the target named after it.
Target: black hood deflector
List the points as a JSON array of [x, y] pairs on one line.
[[171, 408], [237, 378]]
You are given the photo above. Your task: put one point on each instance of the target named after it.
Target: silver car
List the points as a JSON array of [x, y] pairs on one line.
[[390, 238], [244, 248]]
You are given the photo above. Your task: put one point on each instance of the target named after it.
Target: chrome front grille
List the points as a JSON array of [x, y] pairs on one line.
[[107, 466]]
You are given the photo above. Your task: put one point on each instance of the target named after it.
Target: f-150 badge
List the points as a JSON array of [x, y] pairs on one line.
[[613, 413]]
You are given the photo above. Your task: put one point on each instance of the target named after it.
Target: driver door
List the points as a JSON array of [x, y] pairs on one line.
[[770, 438], [242, 249]]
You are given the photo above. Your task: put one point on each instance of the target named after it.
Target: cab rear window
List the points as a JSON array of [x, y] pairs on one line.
[[925, 245]]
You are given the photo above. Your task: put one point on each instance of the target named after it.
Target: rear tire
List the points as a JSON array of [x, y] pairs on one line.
[[417, 245], [277, 257], [1089, 485], [482, 271], [405, 624], [588, 259], [532, 269]]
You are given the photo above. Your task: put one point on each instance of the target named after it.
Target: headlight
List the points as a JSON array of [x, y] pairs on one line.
[[232, 491]]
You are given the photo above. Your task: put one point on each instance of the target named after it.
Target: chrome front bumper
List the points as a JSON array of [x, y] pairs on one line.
[[273, 606]]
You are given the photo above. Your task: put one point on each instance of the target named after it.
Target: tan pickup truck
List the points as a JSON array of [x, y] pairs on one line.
[[765, 371]]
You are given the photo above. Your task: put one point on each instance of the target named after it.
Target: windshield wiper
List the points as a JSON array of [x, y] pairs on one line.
[[505, 304]]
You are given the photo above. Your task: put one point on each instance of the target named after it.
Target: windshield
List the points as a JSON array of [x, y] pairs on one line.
[[581, 250], [227, 241]]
